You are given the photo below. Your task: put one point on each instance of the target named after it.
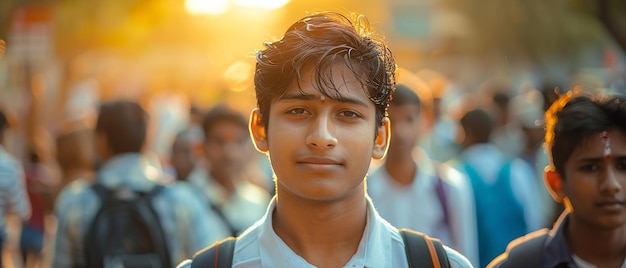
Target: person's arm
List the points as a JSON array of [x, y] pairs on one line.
[[62, 253], [18, 197]]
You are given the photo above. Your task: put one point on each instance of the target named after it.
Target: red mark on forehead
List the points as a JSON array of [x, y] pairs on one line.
[[606, 141], [322, 98]]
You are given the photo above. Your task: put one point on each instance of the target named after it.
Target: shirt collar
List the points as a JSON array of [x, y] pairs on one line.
[[130, 170], [557, 251], [373, 251]]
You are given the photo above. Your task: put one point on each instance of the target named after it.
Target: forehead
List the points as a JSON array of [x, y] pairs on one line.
[[336, 81], [594, 145], [226, 127]]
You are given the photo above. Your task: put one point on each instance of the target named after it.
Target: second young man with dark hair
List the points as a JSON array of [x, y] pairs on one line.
[[586, 141], [322, 93]]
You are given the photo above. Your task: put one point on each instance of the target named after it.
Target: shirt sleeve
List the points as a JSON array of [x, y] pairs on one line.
[[62, 255], [184, 264], [457, 260], [18, 197]]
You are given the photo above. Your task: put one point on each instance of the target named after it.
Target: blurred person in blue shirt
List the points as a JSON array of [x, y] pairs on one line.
[[125, 168], [504, 193], [13, 196]]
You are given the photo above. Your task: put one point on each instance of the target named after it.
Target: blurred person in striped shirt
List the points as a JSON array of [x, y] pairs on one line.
[[13, 197]]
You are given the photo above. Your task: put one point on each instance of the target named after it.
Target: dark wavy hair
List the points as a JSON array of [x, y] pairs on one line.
[[320, 41], [125, 125], [574, 117]]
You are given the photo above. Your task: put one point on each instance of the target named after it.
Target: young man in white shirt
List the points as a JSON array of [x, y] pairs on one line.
[[322, 93]]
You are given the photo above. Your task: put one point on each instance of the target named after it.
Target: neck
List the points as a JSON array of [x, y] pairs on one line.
[[325, 233], [402, 169], [226, 183], [603, 248]]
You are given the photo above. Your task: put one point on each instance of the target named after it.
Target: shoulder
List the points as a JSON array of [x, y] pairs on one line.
[[376, 177], [457, 259], [75, 191], [181, 189], [184, 264], [253, 193], [422, 247], [76, 201], [179, 197], [526, 250], [519, 165], [245, 248], [450, 175], [9, 166]]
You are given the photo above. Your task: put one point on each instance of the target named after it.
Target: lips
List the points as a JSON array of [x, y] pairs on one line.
[[319, 163], [610, 205], [316, 160]]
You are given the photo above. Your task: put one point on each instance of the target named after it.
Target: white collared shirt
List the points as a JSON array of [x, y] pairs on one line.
[[381, 246]]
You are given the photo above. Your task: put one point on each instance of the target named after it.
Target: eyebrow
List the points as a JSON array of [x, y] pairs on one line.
[[598, 159], [305, 96]]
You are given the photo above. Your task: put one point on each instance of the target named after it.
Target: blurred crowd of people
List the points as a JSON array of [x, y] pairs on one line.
[[464, 165]]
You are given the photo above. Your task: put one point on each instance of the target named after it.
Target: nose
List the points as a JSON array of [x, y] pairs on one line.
[[321, 133], [611, 183]]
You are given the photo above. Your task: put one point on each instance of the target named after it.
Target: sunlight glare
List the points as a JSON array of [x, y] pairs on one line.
[[213, 7], [238, 75], [264, 4]]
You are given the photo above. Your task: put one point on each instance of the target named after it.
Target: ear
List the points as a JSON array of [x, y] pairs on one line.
[[554, 183], [381, 143], [258, 131]]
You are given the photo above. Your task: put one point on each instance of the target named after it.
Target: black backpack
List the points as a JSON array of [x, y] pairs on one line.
[[126, 232], [421, 251]]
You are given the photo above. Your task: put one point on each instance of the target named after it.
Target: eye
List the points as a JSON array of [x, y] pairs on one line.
[[621, 164], [349, 114], [588, 167], [297, 111]]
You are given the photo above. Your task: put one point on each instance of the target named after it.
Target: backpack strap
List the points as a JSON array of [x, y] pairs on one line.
[[103, 193], [220, 213], [218, 255], [443, 198], [156, 228], [423, 251], [525, 251]]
